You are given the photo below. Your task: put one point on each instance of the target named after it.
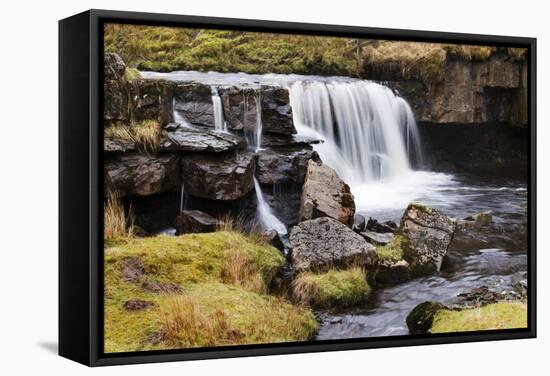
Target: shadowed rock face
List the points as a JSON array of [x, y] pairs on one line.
[[323, 243], [429, 234], [324, 194], [224, 177], [193, 101], [284, 166], [240, 110], [142, 174]]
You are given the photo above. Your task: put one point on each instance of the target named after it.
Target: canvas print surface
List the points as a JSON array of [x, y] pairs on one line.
[[266, 188]]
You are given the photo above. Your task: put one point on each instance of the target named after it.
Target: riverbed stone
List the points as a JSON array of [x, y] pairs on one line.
[[381, 227], [324, 194], [359, 223], [376, 238], [429, 234], [195, 221], [324, 243], [218, 177], [391, 271], [420, 319], [141, 174], [476, 220]]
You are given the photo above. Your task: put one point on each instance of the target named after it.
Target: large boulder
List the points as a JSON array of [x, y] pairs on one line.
[[115, 89], [428, 234], [197, 140], [421, 318], [324, 194], [192, 221], [142, 174], [284, 166], [324, 243], [218, 177], [241, 113]]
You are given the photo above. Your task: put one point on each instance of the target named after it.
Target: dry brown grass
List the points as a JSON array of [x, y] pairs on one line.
[[185, 324], [239, 269], [145, 135], [116, 224], [469, 53]]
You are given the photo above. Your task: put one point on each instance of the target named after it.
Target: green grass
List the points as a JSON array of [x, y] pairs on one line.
[[212, 309], [503, 315], [168, 49], [144, 134], [333, 289]]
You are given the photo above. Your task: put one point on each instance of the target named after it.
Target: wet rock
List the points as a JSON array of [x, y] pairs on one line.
[[420, 319], [218, 177], [193, 101], [197, 140], [284, 166], [324, 194], [476, 220], [113, 66], [376, 238], [240, 110], [142, 174], [359, 223], [390, 272], [161, 287], [137, 305], [295, 140], [384, 227], [429, 233], [324, 243], [272, 237], [193, 221], [117, 145], [484, 295]]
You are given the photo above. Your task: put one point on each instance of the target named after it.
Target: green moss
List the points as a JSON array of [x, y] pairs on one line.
[[503, 315], [395, 250], [419, 207], [195, 263], [131, 74], [333, 289]]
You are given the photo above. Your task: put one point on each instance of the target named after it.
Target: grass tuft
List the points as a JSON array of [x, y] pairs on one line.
[[117, 225], [503, 315], [333, 289], [145, 135], [394, 250]]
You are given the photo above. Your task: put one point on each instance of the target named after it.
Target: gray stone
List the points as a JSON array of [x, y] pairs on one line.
[[376, 238], [325, 243], [284, 166], [324, 194], [197, 140]]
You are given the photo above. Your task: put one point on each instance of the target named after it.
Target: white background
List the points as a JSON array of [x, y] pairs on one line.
[[28, 185]]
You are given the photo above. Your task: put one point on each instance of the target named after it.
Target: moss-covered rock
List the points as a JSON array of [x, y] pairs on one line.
[[219, 297], [502, 315], [333, 289], [421, 318]]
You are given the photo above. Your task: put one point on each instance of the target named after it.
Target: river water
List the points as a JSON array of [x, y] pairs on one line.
[[495, 256]]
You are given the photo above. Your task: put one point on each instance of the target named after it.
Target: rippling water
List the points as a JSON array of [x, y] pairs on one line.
[[495, 255]]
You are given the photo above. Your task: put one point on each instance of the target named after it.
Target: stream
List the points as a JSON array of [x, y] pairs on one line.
[[495, 256]]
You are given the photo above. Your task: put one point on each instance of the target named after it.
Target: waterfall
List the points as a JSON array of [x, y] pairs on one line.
[[183, 198], [369, 132], [259, 125], [219, 122], [264, 213]]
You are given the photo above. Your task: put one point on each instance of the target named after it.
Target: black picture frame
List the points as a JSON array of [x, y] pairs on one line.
[[81, 187]]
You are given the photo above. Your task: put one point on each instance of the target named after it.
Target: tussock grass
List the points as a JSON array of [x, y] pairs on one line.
[[503, 315], [218, 305], [117, 225], [333, 289], [145, 135], [394, 250]]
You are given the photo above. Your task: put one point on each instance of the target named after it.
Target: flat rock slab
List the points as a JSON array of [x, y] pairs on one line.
[[188, 139], [324, 194], [376, 238], [324, 243], [284, 166]]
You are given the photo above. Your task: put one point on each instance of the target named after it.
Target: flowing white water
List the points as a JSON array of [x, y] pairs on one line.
[[371, 138], [264, 213], [219, 121], [259, 126]]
